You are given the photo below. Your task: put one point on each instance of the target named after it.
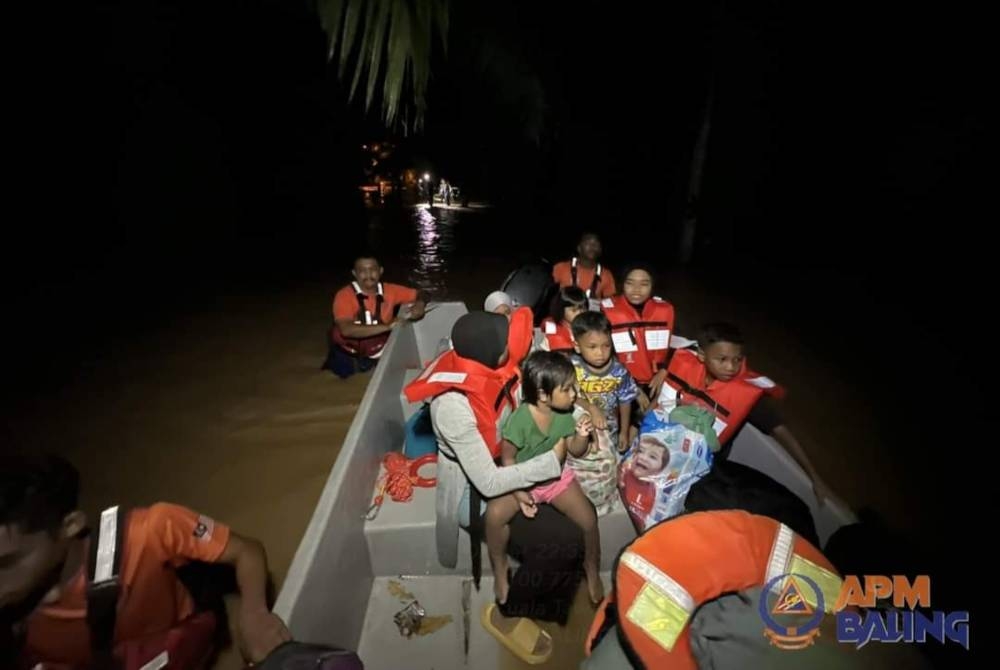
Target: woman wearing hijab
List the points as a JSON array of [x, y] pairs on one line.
[[470, 392]]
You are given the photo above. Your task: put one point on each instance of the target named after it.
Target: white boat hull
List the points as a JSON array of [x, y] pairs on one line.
[[350, 576]]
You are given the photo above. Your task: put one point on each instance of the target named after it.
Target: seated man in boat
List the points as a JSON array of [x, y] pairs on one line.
[[72, 595], [365, 312], [717, 377], [584, 270]]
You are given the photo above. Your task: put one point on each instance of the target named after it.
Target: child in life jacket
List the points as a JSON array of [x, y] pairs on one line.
[[567, 304], [544, 419], [641, 325], [717, 377]]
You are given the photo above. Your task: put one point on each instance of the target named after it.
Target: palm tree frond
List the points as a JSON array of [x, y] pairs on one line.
[[330, 14], [381, 28], [348, 31], [367, 36], [400, 32]]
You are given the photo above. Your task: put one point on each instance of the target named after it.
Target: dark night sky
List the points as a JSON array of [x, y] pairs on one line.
[[159, 143], [162, 140], [159, 122]]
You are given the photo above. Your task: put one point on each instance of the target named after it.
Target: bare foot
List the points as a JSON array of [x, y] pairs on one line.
[[501, 584], [543, 644], [595, 586]]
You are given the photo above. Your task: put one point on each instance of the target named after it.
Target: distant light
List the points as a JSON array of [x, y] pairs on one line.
[[364, 146], [427, 176]]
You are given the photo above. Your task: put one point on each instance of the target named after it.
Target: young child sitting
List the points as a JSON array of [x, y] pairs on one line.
[[569, 302], [606, 387], [641, 325], [717, 378], [544, 419]]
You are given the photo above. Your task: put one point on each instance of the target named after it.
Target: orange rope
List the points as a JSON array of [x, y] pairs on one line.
[[400, 478]]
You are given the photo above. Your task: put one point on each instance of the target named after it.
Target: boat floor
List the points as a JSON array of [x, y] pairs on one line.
[[452, 636]]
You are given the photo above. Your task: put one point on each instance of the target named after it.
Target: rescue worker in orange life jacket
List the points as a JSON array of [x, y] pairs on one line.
[[585, 271], [45, 573], [717, 378], [365, 313], [680, 602]]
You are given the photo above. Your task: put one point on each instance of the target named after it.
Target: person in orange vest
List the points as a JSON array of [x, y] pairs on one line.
[[584, 270], [364, 313], [54, 570], [568, 303], [641, 325], [717, 378], [472, 392], [727, 590]]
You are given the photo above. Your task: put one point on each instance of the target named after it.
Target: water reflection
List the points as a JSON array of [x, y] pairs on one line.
[[433, 249]]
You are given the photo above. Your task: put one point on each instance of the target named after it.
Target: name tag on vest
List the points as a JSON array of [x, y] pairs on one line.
[[447, 377], [656, 340], [623, 342]]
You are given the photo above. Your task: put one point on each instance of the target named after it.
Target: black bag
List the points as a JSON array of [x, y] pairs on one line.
[[531, 285], [734, 486], [302, 656]]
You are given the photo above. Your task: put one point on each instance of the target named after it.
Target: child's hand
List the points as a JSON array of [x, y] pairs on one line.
[[643, 400], [584, 426], [526, 503], [656, 383], [597, 416], [623, 441]]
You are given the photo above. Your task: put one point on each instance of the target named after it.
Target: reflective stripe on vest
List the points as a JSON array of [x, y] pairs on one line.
[[661, 578], [595, 285], [364, 316], [662, 607]]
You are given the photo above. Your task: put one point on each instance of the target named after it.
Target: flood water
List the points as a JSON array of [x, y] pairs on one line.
[[219, 403]]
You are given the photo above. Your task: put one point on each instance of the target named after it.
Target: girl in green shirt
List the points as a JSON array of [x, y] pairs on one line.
[[545, 417]]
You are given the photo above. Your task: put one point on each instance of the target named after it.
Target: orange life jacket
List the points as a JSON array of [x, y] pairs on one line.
[[641, 340], [595, 285], [666, 573], [368, 347], [558, 336], [520, 335], [488, 390], [189, 643], [731, 401]]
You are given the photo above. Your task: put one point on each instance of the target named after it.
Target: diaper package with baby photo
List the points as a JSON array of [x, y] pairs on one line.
[[659, 469]]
